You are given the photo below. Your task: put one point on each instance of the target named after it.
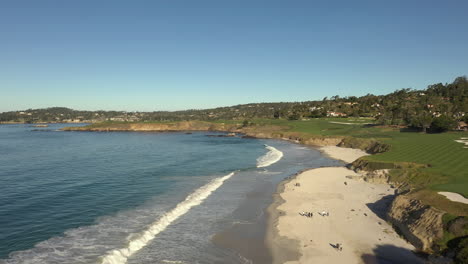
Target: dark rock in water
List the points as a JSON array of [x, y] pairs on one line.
[[42, 130], [248, 137], [188, 133], [223, 135]]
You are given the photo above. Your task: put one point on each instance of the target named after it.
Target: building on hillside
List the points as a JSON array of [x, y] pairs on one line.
[[335, 114], [118, 118], [313, 108], [462, 126]]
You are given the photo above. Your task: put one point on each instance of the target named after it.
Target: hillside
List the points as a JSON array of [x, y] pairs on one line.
[[437, 108]]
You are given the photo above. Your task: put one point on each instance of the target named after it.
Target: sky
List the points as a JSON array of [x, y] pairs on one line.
[[175, 55]]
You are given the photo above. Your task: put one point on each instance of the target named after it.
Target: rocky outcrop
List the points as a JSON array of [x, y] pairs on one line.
[[420, 224], [264, 131], [371, 146], [376, 176], [322, 141]]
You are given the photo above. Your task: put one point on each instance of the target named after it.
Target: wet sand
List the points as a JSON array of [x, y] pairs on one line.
[[247, 236]]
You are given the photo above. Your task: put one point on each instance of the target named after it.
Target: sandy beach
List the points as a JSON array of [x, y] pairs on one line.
[[355, 221]]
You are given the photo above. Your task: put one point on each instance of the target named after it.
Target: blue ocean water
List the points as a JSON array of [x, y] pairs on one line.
[[123, 197]]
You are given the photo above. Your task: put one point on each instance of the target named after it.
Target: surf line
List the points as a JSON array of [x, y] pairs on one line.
[[272, 156], [120, 256]]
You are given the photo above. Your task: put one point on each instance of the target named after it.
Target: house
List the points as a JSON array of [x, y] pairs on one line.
[[462, 126], [118, 118], [335, 114], [313, 108]]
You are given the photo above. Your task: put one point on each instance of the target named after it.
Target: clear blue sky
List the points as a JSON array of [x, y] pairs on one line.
[[171, 55]]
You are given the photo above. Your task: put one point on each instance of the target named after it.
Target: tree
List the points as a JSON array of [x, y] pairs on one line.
[[423, 120], [276, 114], [443, 123]]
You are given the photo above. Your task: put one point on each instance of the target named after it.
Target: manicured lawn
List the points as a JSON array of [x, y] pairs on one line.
[[448, 159], [445, 156]]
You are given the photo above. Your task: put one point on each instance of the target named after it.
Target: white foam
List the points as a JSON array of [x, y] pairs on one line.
[[138, 241], [272, 156]]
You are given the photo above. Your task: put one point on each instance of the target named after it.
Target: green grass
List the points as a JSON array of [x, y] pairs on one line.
[[447, 159]]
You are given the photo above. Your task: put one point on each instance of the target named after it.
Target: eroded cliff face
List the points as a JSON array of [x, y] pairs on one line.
[[377, 176], [420, 224]]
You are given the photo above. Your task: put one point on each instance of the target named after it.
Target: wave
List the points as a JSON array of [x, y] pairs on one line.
[[138, 241], [272, 156]]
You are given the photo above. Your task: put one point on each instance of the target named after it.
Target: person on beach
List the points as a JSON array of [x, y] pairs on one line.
[[340, 247], [324, 213]]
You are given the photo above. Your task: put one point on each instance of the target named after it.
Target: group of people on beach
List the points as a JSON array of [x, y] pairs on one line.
[[337, 246], [306, 214], [310, 214]]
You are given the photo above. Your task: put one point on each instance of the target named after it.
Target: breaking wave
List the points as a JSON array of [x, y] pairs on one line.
[[272, 156], [138, 241]]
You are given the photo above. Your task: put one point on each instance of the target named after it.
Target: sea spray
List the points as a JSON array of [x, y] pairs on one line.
[[138, 241], [272, 156]]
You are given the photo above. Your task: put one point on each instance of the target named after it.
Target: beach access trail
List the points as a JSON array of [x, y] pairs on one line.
[[353, 221]]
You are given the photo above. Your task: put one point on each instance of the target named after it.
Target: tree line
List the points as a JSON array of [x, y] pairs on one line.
[[438, 108]]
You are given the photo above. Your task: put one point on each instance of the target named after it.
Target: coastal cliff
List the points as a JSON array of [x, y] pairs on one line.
[[157, 127], [268, 131], [420, 224], [442, 234]]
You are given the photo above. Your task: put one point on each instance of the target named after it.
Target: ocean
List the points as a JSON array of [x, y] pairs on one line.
[[133, 197]]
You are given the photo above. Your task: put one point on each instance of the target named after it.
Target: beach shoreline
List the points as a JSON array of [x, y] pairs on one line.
[[356, 218]]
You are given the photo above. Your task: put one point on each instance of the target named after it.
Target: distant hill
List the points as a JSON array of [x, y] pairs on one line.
[[440, 106]]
